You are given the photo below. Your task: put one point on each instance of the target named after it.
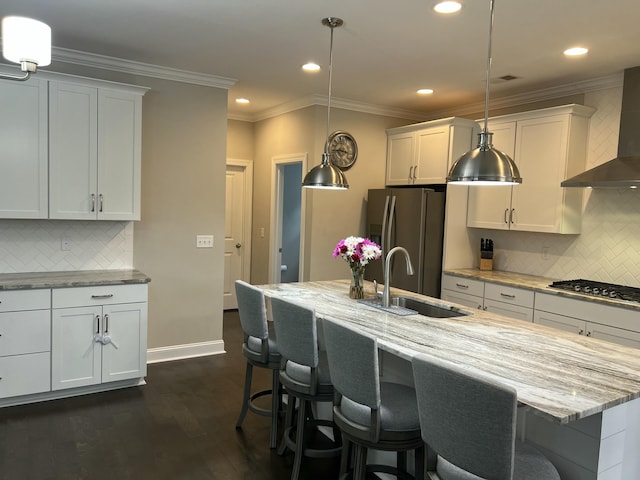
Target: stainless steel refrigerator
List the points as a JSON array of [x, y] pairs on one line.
[[412, 218]]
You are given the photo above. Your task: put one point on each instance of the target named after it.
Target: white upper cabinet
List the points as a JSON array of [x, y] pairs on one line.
[[423, 153], [23, 149], [548, 146], [95, 152]]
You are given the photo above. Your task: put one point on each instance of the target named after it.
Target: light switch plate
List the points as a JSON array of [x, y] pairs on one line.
[[204, 241]]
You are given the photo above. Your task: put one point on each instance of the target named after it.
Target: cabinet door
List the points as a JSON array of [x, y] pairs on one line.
[[119, 150], [400, 154], [508, 310], [75, 355], [24, 374], [541, 150], [490, 206], [73, 151], [561, 322], [432, 146], [23, 149], [125, 356], [614, 335]]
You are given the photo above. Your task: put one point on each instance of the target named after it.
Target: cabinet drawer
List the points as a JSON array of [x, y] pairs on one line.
[[25, 374], [509, 310], [99, 295], [25, 332], [511, 295], [13, 300], [463, 284]]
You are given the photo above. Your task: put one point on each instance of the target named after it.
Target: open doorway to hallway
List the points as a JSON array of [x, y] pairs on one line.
[[288, 210]]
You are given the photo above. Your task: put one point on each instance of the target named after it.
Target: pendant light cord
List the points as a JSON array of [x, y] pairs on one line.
[[326, 143], [486, 95]]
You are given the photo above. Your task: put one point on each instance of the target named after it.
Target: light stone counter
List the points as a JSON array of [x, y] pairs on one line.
[[560, 375], [66, 279], [588, 388]]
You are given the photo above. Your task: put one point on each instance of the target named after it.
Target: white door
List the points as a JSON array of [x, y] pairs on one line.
[[237, 231]]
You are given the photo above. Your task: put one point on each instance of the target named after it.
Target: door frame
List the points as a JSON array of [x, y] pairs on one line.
[[277, 188], [247, 213]]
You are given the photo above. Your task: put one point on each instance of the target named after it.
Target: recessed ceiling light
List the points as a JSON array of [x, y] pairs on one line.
[[575, 51], [448, 7], [242, 100], [425, 91], [311, 67]]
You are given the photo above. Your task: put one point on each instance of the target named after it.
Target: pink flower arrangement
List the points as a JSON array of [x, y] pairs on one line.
[[357, 251]]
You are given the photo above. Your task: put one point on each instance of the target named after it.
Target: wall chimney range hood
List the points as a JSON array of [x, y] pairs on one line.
[[624, 170]]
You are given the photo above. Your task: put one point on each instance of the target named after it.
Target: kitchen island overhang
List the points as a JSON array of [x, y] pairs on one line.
[[560, 376]]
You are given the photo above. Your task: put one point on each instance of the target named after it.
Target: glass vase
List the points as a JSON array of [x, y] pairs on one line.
[[356, 290]]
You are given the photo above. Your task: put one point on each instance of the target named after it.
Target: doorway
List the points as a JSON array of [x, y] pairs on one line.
[[286, 245], [237, 228]]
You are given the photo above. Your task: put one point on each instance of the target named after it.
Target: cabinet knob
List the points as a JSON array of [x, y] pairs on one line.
[[238, 245], [588, 334], [581, 332]]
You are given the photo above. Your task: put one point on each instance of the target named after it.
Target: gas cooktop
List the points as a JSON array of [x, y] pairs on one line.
[[599, 289]]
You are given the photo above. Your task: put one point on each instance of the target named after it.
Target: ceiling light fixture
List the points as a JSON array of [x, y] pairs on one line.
[[447, 7], [424, 91], [576, 51], [327, 175], [27, 42], [311, 67], [485, 165], [242, 100]]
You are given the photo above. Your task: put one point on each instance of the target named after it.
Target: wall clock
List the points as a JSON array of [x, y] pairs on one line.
[[343, 149]]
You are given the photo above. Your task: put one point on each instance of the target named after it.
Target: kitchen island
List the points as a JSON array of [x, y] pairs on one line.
[[580, 397]]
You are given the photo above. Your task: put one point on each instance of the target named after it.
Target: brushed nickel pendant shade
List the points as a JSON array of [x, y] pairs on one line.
[[485, 165], [326, 175]]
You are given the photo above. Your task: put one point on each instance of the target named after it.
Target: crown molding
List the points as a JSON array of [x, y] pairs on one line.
[[584, 86], [138, 68]]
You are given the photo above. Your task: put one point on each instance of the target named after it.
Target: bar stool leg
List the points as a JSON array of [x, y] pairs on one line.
[[297, 463], [246, 397], [288, 422], [275, 408]]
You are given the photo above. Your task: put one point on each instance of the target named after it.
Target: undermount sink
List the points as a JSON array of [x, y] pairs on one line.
[[410, 306]]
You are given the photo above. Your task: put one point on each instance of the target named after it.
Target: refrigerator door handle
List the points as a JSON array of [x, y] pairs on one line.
[[385, 215], [392, 213]]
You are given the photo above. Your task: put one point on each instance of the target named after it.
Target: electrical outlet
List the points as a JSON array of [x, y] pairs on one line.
[[204, 241], [65, 245], [262, 232]]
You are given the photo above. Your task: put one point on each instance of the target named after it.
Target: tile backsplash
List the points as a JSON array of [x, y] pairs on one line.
[[608, 249], [37, 245]]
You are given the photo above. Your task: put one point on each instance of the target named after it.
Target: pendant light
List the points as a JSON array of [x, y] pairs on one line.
[[485, 165], [326, 175]]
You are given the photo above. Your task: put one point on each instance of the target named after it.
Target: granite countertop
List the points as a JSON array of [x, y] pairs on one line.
[[538, 284], [558, 374], [78, 278]]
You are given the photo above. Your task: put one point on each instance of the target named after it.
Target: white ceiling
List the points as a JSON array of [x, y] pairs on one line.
[[385, 51]]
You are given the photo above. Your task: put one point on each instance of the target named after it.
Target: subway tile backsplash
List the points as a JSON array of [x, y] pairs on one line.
[[37, 245]]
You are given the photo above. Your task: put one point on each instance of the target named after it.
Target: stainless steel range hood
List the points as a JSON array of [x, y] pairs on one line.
[[624, 170]]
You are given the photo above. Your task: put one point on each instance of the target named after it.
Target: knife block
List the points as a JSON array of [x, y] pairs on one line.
[[486, 264]]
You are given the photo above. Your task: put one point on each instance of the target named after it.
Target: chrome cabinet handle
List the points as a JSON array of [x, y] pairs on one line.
[[485, 308], [581, 332], [506, 210], [506, 295], [98, 323], [411, 172], [589, 334], [93, 202], [106, 323], [462, 285], [512, 216], [415, 172], [100, 203], [97, 297]]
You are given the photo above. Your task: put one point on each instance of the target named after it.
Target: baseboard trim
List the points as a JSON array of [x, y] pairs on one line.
[[181, 352]]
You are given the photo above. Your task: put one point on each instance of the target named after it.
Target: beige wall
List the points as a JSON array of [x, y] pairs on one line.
[[240, 140], [329, 215], [183, 183]]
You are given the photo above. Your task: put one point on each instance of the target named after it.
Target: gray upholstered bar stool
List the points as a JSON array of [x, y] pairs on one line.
[[369, 412], [261, 350], [470, 423], [305, 375]]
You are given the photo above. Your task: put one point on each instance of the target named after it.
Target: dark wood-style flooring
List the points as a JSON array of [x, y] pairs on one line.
[[181, 425]]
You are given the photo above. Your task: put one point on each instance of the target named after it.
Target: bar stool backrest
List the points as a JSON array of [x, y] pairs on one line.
[[253, 318], [296, 332]]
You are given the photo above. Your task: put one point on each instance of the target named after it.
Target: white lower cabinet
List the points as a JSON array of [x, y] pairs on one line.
[[605, 322], [507, 301], [25, 342], [99, 335]]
